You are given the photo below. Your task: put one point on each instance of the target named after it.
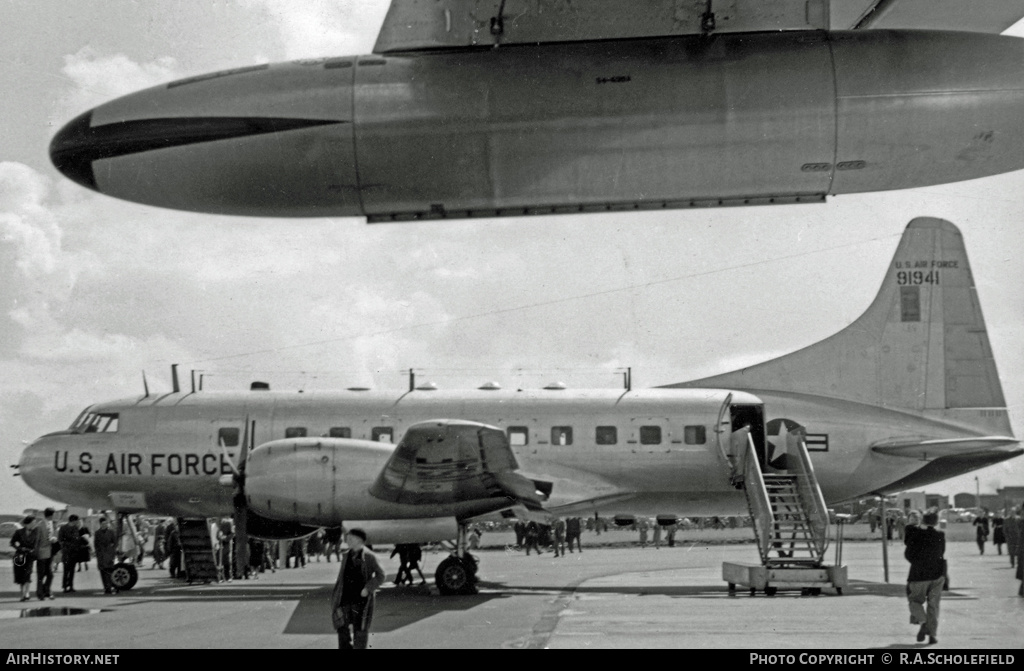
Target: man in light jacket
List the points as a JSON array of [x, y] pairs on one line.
[[360, 577]]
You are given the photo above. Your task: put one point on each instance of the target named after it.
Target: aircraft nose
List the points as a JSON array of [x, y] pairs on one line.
[[73, 150], [32, 464]]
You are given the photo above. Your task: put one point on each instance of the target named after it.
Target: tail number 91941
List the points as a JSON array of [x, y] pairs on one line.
[[913, 277]]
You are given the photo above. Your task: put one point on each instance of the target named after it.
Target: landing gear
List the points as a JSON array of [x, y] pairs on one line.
[[123, 576], [457, 573]]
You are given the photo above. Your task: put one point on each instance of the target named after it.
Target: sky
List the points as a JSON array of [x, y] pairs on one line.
[[94, 291]]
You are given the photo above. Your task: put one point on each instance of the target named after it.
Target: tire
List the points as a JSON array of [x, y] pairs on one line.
[[770, 591], [456, 576], [124, 576]]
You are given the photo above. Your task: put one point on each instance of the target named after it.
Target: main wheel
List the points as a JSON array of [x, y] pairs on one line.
[[770, 591], [124, 576], [455, 576]]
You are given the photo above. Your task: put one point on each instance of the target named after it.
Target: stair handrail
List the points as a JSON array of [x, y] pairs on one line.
[[812, 499], [757, 501]]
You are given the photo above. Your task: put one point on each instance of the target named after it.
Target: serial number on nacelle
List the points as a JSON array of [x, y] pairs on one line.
[[132, 463]]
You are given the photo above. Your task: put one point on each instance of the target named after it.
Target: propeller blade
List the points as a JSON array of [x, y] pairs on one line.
[[227, 457]]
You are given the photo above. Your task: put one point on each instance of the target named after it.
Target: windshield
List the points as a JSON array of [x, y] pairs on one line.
[[95, 422]]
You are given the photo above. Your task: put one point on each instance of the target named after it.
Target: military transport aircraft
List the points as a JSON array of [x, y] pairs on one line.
[[906, 395], [485, 108]]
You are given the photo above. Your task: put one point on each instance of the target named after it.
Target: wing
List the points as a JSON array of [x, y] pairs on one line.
[[990, 16], [418, 25], [456, 463]]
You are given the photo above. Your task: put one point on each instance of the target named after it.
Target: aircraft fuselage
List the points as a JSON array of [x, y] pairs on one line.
[[644, 452]]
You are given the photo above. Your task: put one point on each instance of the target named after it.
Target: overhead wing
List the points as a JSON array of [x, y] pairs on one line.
[[446, 462], [415, 25], [988, 16], [419, 25]]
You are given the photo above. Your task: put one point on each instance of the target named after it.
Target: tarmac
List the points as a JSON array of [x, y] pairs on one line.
[[612, 596]]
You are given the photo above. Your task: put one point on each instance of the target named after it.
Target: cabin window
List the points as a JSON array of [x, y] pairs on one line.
[[695, 435], [382, 434], [561, 435], [518, 436], [650, 435], [227, 436], [339, 432], [606, 435], [295, 432]]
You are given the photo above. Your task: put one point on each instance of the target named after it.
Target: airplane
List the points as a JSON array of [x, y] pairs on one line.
[[497, 108], [906, 395]]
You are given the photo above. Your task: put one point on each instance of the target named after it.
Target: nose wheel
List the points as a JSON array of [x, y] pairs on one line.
[[124, 576]]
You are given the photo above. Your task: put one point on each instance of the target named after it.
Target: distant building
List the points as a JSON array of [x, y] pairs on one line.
[[964, 500], [1011, 496], [912, 500]]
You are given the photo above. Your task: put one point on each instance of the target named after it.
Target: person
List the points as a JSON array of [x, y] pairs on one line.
[[520, 530], [402, 550], [46, 539], [559, 528], [981, 529], [670, 532], [225, 557], [84, 548], [901, 526], [573, 533], [159, 545], [106, 554], [359, 577], [998, 535], [925, 550], [332, 542], [70, 547], [531, 536], [642, 525], [24, 542], [297, 552], [173, 550], [415, 555], [657, 536], [1019, 519], [1012, 531], [316, 545]]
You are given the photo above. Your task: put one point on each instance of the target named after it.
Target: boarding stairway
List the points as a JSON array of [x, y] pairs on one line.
[[197, 546], [791, 522]]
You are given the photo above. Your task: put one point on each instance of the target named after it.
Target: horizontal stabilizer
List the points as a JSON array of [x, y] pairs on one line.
[[933, 449]]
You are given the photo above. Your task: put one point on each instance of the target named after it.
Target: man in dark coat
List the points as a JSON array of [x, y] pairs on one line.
[[173, 550], [352, 601], [105, 543], [925, 551], [70, 542]]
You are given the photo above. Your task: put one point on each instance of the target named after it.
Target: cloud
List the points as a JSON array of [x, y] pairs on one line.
[[317, 28], [98, 78]]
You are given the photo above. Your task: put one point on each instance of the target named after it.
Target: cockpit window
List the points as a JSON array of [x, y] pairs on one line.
[[95, 422]]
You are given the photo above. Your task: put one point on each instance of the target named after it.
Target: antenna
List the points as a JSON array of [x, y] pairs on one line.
[[193, 382], [145, 385], [201, 376], [412, 380], [174, 378]]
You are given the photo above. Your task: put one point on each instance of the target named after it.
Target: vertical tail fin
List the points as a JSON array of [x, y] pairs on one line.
[[921, 345]]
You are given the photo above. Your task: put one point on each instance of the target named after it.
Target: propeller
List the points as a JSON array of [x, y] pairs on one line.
[[239, 503]]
